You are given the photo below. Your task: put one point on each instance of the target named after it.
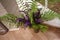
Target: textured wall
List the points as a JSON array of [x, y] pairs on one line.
[[2, 10], [10, 6]]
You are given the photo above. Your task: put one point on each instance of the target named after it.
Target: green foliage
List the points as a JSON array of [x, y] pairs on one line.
[[36, 27], [8, 17], [20, 15], [33, 9], [49, 15], [41, 27], [34, 6], [41, 1]]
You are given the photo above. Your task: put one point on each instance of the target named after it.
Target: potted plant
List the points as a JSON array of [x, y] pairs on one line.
[[32, 18]]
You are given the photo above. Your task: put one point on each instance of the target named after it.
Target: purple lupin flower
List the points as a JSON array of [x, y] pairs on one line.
[[27, 21]]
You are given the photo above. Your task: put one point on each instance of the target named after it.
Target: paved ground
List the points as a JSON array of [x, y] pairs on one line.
[[29, 34]]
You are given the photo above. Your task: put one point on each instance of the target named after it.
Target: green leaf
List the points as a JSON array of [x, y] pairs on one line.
[[43, 28], [33, 9], [49, 15], [9, 17]]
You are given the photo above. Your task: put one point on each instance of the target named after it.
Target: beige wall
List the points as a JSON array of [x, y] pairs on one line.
[[10, 6], [2, 10]]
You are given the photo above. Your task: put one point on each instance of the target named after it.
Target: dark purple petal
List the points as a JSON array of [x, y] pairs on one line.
[[37, 17], [27, 23], [38, 21], [20, 19], [37, 14], [26, 17]]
